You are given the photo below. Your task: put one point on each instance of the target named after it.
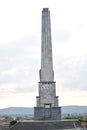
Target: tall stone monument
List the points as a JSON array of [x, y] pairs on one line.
[[47, 101]]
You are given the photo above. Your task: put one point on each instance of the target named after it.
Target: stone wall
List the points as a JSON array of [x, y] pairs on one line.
[[41, 113], [45, 125]]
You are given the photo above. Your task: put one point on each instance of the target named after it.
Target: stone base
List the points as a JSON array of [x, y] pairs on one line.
[[46, 125], [41, 113]]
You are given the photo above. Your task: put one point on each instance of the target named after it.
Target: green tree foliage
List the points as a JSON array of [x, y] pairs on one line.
[[71, 117], [13, 122], [83, 120]]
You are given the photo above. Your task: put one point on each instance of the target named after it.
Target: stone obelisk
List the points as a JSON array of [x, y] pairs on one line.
[[46, 73], [47, 101]]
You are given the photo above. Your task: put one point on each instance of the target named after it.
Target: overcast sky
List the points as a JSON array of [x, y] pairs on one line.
[[20, 50]]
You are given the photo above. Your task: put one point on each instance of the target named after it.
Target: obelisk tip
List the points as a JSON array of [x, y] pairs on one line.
[[45, 9]]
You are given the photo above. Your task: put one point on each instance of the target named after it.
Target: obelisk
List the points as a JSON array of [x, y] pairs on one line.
[[47, 101], [46, 48]]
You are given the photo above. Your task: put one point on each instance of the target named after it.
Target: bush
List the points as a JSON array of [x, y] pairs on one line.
[[13, 122], [71, 117], [82, 120]]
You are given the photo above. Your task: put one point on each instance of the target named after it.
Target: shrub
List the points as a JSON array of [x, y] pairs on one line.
[[82, 120], [71, 117], [13, 122]]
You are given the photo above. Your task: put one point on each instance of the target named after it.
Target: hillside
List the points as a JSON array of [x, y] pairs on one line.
[[30, 111], [74, 109], [17, 111]]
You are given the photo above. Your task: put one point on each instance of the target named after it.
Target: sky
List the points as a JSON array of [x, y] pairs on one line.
[[20, 51]]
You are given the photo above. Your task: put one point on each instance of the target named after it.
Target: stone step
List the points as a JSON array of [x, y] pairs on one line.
[[45, 125]]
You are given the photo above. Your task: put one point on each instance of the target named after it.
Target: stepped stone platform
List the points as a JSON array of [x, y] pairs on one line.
[[45, 125]]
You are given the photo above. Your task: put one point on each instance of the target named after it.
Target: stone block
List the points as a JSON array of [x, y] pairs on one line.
[[41, 113], [56, 113], [38, 113]]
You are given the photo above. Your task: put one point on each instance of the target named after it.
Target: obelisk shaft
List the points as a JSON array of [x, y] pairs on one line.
[[46, 73]]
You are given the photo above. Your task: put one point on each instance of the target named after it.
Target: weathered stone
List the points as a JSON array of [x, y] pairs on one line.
[[47, 101], [46, 72], [46, 125]]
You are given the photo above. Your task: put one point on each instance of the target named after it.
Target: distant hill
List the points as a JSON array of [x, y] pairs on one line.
[[30, 111], [17, 111], [74, 109]]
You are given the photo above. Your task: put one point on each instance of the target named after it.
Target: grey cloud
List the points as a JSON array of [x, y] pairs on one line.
[[6, 91], [17, 48], [26, 73], [19, 55], [72, 72], [61, 36], [25, 89]]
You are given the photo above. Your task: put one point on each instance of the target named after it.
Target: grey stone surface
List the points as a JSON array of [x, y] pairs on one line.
[[47, 101], [39, 113], [4, 127], [46, 73], [45, 125], [54, 113], [47, 94]]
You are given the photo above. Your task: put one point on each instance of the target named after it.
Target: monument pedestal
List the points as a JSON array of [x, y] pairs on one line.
[[46, 125], [42, 113]]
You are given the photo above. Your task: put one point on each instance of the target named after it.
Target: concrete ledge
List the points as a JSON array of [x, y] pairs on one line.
[[45, 125]]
